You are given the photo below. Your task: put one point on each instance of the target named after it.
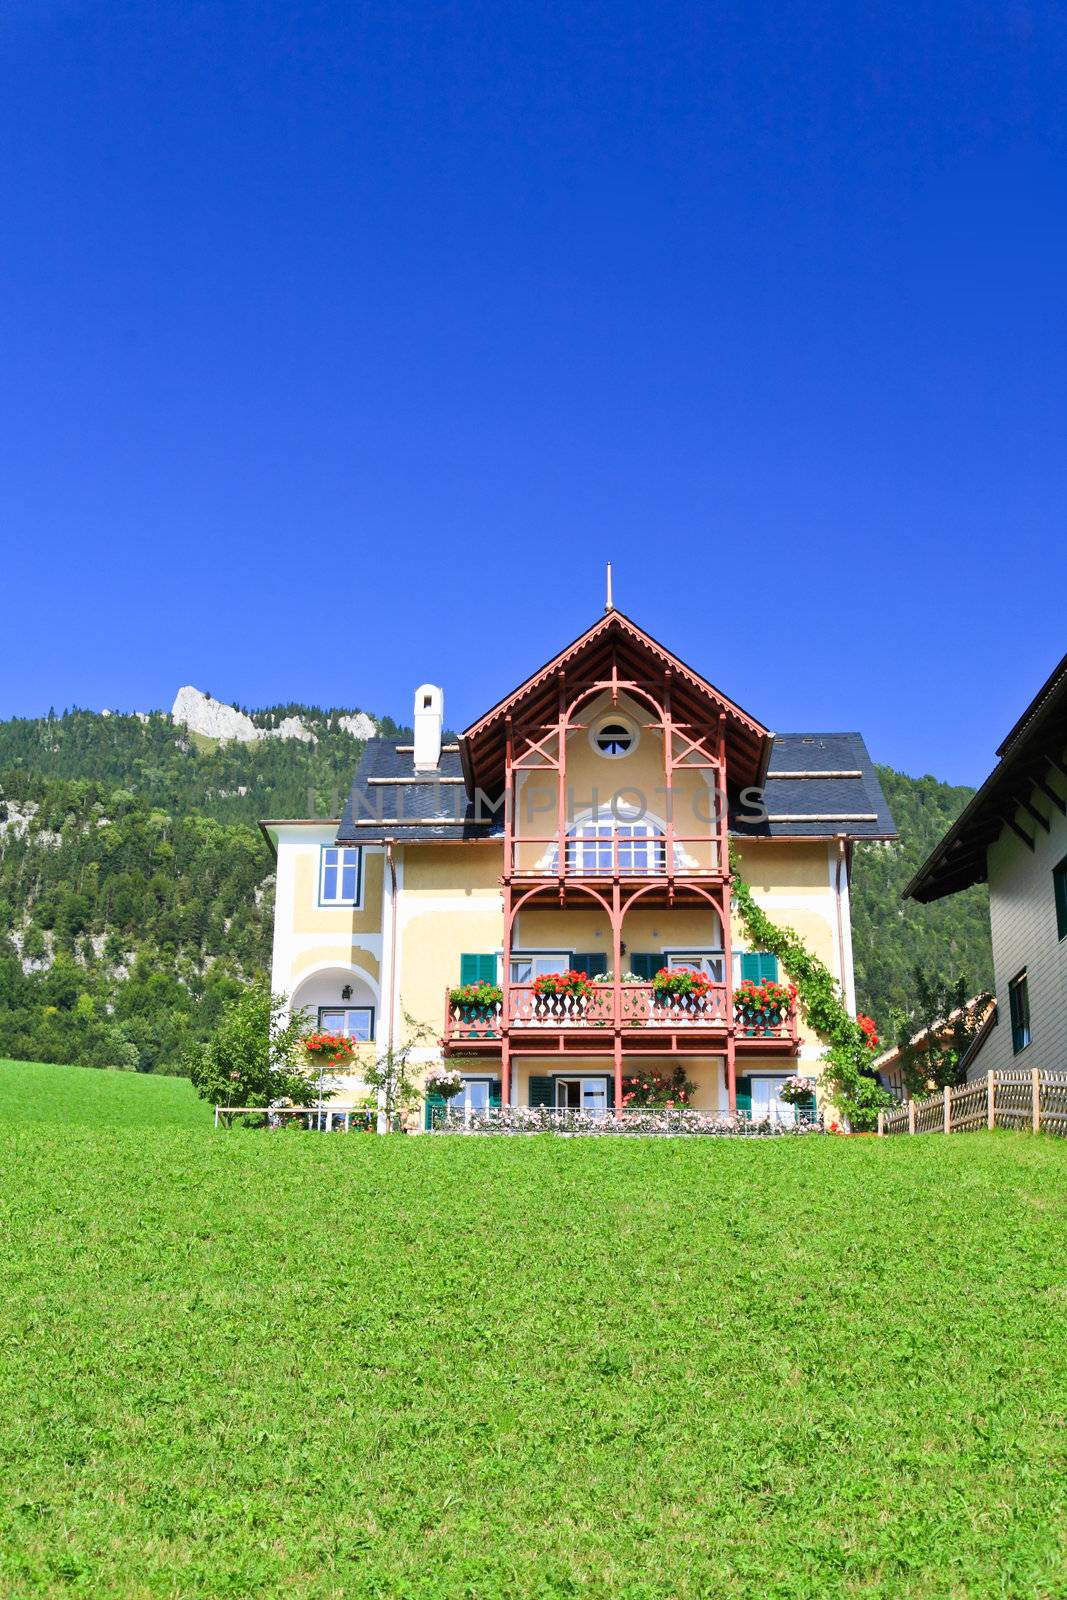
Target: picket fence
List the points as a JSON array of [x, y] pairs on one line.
[[1012, 1099]]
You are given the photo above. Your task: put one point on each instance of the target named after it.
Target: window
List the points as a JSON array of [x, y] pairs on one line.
[[531, 964], [355, 1021], [710, 962], [591, 846], [1059, 887], [1019, 1001], [767, 1100], [613, 736], [341, 876], [582, 1094]]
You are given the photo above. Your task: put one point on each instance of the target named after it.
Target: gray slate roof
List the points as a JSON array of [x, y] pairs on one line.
[[413, 808], [815, 806], [419, 808]]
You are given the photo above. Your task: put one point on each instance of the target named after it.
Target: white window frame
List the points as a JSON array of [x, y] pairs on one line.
[[347, 1011], [587, 1082], [356, 902], [699, 960], [566, 957], [462, 1101], [777, 1109]]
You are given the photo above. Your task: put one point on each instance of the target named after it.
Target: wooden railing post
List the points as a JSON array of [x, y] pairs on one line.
[[881, 1124], [1035, 1089], [990, 1099], [948, 1109], [911, 1116]]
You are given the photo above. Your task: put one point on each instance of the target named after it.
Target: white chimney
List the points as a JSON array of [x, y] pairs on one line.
[[429, 719]]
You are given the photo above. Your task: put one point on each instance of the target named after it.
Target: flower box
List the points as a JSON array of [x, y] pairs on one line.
[[763, 1007]]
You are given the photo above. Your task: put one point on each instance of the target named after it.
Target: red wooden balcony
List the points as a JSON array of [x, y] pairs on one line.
[[538, 1023], [627, 850]]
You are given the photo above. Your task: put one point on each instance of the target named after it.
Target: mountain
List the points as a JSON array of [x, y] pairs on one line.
[[136, 893]]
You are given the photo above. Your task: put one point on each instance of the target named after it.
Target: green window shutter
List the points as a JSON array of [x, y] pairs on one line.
[[646, 963], [758, 965], [494, 1095], [593, 965], [542, 1091], [611, 1092], [1059, 884], [477, 969], [434, 1102], [744, 1093]]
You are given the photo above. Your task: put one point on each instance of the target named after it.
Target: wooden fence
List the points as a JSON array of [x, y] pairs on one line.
[[1012, 1099]]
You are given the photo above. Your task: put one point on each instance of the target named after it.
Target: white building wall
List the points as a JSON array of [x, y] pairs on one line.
[[1022, 912]]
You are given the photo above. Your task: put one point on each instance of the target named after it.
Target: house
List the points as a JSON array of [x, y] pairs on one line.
[[583, 823], [976, 1017], [1013, 836]]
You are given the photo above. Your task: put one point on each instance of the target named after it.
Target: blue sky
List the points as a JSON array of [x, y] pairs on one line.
[[343, 343]]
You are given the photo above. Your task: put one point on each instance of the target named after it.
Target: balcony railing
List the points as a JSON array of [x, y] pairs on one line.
[[607, 854], [640, 1007], [648, 1122]]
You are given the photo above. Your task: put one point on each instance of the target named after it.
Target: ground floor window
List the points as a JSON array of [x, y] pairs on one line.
[[582, 1094], [767, 1100], [355, 1021]]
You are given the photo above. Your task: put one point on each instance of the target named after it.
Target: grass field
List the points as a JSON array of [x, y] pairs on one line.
[[250, 1363]]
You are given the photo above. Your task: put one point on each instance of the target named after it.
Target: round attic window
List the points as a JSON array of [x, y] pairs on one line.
[[614, 736]]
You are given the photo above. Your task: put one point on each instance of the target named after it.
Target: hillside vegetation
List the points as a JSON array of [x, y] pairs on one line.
[[527, 1367], [136, 892]]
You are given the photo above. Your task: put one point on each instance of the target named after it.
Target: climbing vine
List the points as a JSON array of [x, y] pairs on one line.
[[857, 1094]]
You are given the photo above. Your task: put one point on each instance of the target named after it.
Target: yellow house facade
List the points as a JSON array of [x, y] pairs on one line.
[[584, 825]]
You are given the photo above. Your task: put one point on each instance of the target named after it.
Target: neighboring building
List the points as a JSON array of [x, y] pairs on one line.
[[582, 823], [981, 1015], [1013, 836]]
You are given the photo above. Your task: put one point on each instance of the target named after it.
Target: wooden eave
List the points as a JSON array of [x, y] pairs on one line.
[[588, 660], [1033, 758]]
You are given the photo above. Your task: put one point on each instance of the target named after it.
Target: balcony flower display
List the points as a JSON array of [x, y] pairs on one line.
[[444, 1082], [329, 1049], [796, 1089], [763, 1007], [561, 993], [573, 983], [677, 983], [476, 998]]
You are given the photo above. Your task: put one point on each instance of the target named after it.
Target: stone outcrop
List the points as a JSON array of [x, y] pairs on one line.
[[213, 719]]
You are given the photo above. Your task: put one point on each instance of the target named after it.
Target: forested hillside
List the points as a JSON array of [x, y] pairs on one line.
[[136, 891]]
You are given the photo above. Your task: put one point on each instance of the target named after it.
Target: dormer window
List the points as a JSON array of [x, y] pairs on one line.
[[614, 737]]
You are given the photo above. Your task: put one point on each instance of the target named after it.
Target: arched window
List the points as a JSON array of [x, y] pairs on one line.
[[595, 847]]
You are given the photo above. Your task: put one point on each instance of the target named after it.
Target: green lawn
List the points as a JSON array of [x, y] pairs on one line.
[[32, 1092], [252, 1363]]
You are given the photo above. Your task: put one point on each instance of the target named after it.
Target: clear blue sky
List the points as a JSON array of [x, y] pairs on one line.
[[343, 342]]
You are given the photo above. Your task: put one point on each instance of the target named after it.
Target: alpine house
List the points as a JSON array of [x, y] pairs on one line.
[[550, 894]]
